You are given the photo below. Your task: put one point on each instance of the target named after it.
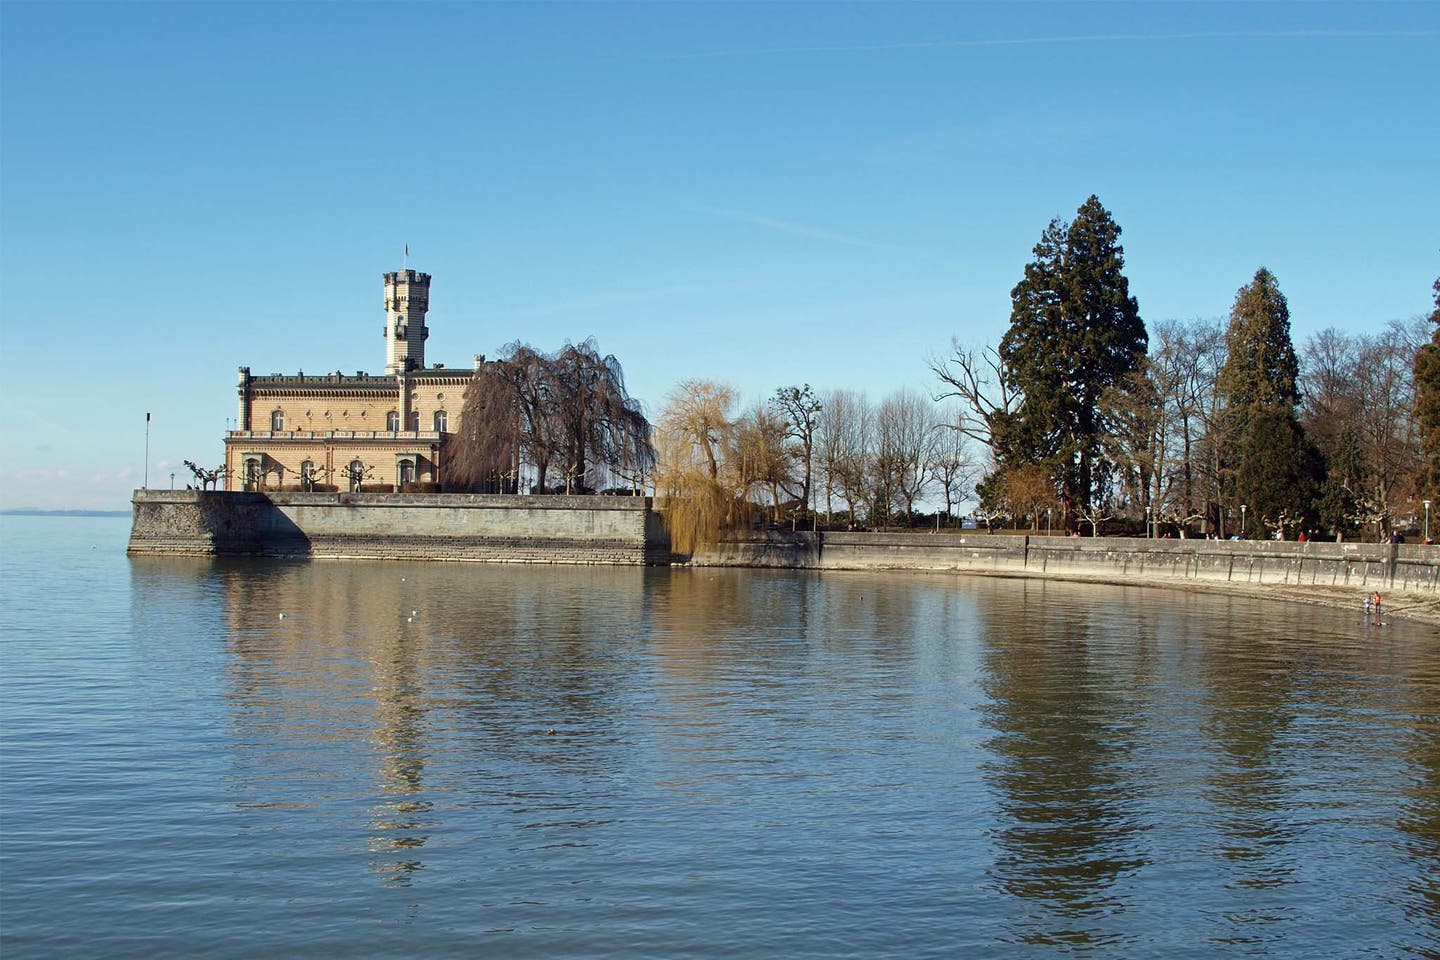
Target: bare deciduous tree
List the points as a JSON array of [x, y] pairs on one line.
[[854, 422], [834, 432], [978, 380], [801, 409], [952, 465], [905, 438]]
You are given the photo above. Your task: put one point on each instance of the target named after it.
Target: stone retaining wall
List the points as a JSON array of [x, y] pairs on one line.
[[627, 530], [1408, 568], [550, 529]]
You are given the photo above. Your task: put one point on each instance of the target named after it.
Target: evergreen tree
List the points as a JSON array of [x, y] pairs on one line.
[[1075, 334], [1260, 366], [1427, 404], [1277, 472], [1280, 473]]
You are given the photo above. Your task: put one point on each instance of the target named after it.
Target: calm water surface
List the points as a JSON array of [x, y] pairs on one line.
[[573, 762]]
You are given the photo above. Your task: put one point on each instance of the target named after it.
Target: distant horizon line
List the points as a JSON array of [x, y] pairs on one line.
[[60, 512]]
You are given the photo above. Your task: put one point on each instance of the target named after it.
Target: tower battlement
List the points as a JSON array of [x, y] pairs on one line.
[[407, 299]]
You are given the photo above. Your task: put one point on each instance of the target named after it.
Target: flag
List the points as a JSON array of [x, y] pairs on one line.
[[147, 416], [407, 249]]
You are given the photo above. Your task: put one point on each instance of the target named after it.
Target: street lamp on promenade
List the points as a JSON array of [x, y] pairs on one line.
[[1242, 521], [1427, 521]]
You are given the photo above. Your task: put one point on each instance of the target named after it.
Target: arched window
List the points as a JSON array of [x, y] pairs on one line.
[[307, 475], [407, 472], [356, 474], [277, 420], [392, 421], [414, 420], [440, 421]]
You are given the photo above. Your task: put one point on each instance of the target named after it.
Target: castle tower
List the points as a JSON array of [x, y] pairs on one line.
[[407, 298]]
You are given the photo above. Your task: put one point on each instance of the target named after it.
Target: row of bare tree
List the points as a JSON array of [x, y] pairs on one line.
[[802, 453]]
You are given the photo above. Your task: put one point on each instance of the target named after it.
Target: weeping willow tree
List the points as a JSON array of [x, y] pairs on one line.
[[695, 470], [489, 433], [566, 413]]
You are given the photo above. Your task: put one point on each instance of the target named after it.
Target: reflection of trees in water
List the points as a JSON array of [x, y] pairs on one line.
[[720, 634], [1308, 727], [1068, 827], [1420, 819], [1249, 686], [541, 650], [500, 672]]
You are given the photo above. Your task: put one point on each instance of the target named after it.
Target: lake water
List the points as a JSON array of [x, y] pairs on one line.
[[438, 760]]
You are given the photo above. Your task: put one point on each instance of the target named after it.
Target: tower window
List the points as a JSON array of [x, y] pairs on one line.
[[440, 421], [414, 420], [392, 421], [277, 420]]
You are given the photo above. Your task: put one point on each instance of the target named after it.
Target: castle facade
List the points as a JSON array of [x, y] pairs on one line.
[[353, 432]]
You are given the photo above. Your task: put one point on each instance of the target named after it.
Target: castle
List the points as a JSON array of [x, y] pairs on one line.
[[303, 431]]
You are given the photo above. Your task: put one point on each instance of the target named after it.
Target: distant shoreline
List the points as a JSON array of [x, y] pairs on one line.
[[25, 512]]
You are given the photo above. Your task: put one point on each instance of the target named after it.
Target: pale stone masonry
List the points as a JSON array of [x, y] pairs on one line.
[[294, 431], [471, 527]]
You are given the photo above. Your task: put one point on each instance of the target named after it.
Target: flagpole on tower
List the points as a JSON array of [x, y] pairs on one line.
[[147, 451], [407, 256]]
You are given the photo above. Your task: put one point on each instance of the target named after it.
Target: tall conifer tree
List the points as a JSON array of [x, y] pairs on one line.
[[1075, 333], [1260, 367], [1277, 472], [1427, 404]]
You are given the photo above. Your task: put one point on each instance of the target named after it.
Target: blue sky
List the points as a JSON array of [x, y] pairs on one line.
[[763, 194]]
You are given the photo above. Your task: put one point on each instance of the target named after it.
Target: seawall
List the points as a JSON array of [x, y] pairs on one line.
[[1336, 574], [476, 527], [627, 530]]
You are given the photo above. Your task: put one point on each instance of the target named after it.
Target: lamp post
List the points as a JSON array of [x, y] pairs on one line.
[[1242, 521], [1149, 521], [172, 481], [1427, 521], [147, 451], [1047, 520]]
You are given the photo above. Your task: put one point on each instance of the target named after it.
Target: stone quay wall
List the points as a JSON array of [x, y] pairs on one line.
[[628, 530], [1257, 564], [548, 529]]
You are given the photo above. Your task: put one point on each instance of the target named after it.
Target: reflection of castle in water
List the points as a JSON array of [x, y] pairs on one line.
[[331, 654]]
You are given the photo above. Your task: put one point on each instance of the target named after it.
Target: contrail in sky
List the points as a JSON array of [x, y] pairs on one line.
[[1078, 38], [788, 226]]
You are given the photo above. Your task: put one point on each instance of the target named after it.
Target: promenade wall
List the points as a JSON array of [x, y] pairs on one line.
[[1404, 568], [627, 530], [549, 529]]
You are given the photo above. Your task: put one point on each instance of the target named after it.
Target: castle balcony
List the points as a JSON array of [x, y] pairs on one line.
[[430, 436]]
